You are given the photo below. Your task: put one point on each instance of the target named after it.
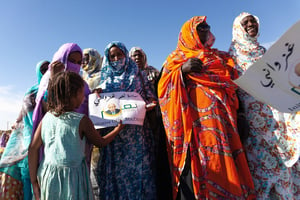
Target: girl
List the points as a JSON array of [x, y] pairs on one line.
[[63, 172]]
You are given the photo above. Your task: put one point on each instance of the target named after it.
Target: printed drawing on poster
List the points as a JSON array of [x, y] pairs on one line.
[[108, 109]]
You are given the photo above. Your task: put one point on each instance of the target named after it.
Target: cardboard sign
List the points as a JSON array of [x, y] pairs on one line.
[[108, 109], [275, 78]]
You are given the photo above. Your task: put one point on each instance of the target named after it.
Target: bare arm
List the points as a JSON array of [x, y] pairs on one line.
[[86, 128], [33, 159]]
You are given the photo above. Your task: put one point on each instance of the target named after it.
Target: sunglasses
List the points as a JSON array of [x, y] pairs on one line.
[[203, 27]]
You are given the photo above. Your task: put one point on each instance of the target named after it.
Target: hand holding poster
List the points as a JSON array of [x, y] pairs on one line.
[[275, 78], [108, 109]]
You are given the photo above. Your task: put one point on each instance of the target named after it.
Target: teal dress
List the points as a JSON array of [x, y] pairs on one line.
[[63, 172]]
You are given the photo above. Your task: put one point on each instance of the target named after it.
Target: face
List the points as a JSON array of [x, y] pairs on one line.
[[85, 59], [203, 32], [115, 54], [75, 58], [112, 107], [138, 59], [44, 67], [250, 25]]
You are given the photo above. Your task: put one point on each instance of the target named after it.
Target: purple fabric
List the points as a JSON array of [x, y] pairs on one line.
[[3, 140]]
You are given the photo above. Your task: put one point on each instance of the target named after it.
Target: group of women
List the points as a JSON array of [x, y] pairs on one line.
[[194, 123]]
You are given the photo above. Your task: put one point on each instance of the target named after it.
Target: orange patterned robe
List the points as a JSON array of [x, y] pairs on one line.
[[200, 113]]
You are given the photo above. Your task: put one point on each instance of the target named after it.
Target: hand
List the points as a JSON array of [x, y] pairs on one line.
[[97, 91], [151, 106], [192, 65], [36, 191], [120, 126], [56, 67]]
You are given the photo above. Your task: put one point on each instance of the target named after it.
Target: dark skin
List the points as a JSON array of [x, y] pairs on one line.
[[195, 64], [250, 25]]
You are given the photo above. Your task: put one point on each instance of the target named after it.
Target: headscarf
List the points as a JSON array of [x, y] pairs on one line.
[[244, 49], [61, 55], [91, 70], [134, 49], [95, 61], [122, 79]]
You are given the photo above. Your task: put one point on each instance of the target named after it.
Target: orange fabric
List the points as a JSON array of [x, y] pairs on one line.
[[200, 113]]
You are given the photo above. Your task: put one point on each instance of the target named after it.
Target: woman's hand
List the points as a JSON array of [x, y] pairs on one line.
[[151, 106], [97, 91], [56, 67], [192, 65]]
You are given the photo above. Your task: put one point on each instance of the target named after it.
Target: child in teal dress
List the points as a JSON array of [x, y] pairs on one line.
[[63, 172]]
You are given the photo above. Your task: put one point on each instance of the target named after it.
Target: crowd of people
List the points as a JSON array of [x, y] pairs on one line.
[[203, 137]]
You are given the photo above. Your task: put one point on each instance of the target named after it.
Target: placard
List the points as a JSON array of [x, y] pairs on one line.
[[107, 109], [275, 78]]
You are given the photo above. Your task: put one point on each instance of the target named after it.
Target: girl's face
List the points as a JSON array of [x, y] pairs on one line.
[[115, 54], [78, 99]]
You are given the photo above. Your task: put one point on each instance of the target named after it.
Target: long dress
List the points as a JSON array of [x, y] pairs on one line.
[[273, 144], [63, 172]]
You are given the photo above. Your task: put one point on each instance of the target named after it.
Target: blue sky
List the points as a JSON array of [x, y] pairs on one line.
[[33, 30]]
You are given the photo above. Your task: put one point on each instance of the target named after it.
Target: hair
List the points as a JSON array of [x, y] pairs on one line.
[[61, 89]]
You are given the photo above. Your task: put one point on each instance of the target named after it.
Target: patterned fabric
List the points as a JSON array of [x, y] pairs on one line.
[[63, 172], [125, 168], [273, 144], [13, 189], [244, 49], [200, 114], [90, 71]]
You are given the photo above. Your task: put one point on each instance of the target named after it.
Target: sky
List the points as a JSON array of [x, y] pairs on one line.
[[33, 30]]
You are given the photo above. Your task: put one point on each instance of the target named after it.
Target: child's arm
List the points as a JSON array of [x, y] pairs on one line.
[[86, 128], [33, 159]]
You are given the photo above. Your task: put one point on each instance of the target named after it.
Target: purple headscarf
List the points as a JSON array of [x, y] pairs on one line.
[[62, 55]]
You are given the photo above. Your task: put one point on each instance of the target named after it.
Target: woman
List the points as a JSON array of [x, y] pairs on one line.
[[198, 104], [272, 145], [125, 168], [163, 180], [91, 65], [139, 57], [69, 58], [14, 162]]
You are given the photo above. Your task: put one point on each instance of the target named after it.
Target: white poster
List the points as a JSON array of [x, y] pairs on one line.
[[108, 109], [275, 78]]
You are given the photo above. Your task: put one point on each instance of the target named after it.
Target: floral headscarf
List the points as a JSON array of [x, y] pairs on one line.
[[91, 71], [122, 79], [244, 49], [95, 61]]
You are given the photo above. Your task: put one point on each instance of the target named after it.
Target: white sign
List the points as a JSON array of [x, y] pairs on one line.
[[275, 78], [108, 109]]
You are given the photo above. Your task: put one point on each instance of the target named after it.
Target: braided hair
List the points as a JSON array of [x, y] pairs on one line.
[[61, 89]]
